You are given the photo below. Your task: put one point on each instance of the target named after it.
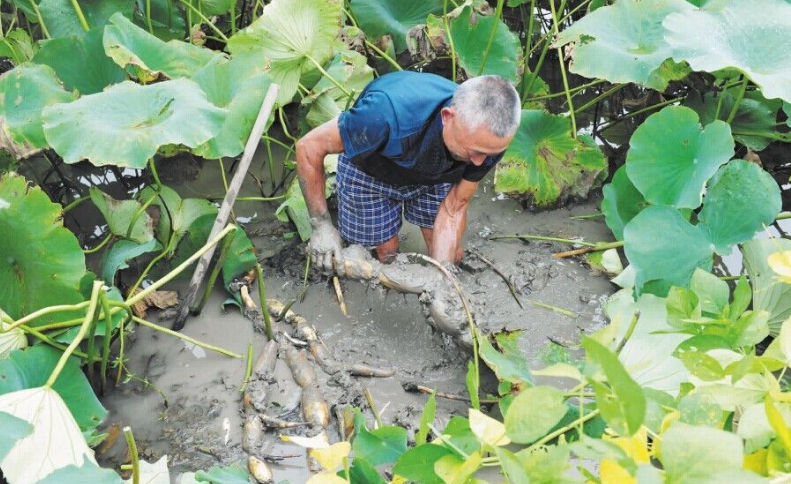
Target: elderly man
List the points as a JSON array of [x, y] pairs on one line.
[[412, 142]]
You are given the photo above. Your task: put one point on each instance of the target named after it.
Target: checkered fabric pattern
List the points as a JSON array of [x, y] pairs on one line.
[[369, 210]]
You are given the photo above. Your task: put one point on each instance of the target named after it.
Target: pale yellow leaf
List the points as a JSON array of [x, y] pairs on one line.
[[487, 429], [318, 442], [326, 478], [780, 263], [331, 458]]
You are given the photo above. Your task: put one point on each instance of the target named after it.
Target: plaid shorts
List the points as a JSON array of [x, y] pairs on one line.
[[369, 210]]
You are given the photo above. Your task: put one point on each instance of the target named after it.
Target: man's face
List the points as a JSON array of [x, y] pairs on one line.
[[470, 146]]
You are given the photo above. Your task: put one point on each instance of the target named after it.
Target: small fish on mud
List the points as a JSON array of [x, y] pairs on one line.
[[259, 470]]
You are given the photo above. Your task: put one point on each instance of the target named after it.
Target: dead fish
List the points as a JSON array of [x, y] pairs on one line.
[[265, 364], [314, 407], [279, 423], [259, 470], [359, 369], [301, 368], [252, 433]]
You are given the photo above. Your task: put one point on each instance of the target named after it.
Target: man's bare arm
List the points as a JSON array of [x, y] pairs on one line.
[[311, 150], [451, 222]]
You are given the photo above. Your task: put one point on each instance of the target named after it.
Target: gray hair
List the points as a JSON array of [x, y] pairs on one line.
[[488, 101]]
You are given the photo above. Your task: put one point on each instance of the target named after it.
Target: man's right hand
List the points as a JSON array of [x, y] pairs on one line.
[[325, 244]]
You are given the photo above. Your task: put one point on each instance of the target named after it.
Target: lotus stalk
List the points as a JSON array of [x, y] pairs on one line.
[[186, 338], [78, 10], [498, 14]]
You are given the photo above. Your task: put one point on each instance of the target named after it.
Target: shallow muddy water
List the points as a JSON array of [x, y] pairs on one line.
[[202, 423]]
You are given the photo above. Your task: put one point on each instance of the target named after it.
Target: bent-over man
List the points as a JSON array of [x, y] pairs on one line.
[[414, 143]]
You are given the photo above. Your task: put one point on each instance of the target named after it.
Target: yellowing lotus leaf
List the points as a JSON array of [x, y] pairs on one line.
[[487, 429], [780, 262], [332, 457], [56, 440], [156, 473]]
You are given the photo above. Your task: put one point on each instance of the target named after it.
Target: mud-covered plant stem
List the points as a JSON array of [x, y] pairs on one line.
[[97, 286], [130, 441], [498, 14]]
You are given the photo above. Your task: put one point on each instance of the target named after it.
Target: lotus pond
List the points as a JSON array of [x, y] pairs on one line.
[[626, 289]]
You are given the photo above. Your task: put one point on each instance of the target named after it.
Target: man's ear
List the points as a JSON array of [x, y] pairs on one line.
[[447, 115]]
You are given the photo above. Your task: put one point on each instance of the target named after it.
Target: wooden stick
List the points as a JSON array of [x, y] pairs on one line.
[[339, 294], [227, 203], [414, 387]]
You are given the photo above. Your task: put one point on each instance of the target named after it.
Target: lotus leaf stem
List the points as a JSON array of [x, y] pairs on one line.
[[328, 76], [450, 39], [276, 141], [282, 118], [40, 20], [441, 437], [130, 441], [534, 73], [573, 11], [372, 405], [135, 298], [528, 41], [186, 338], [80, 16], [598, 248], [587, 216], [262, 301], [121, 335], [140, 211], [348, 14], [552, 308], [248, 369], [738, 100], [784, 137], [92, 345], [629, 331], [574, 92], [600, 97], [89, 318], [226, 246], [252, 199], [542, 237], [44, 311], [232, 13], [270, 163], [783, 216], [98, 247], [108, 331], [148, 17], [204, 19], [562, 64], [565, 429], [383, 55], [150, 265], [74, 203], [641, 111], [498, 13], [46, 339]]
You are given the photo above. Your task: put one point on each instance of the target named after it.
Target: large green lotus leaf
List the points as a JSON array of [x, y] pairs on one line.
[[176, 214], [62, 21], [378, 18], [740, 200], [238, 85], [167, 18], [647, 354], [24, 92], [119, 215], [42, 262], [326, 101], [471, 34], [623, 42], [621, 202], [755, 115], [127, 44], [295, 208], [121, 252], [703, 455], [735, 34], [544, 165], [31, 367], [769, 293], [80, 62], [671, 157], [87, 473], [663, 246], [239, 259], [287, 36], [127, 123], [215, 7]]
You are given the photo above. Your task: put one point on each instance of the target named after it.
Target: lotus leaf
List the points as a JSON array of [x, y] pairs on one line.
[[127, 123], [769, 294], [238, 85], [80, 62], [295, 208], [712, 292], [215, 7], [623, 42], [42, 261], [54, 429], [647, 353], [61, 19], [734, 34], [240, 258], [326, 101], [88, 473], [17, 46], [122, 251], [223, 475], [290, 38], [395, 18], [24, 92], [621, 202], [119, 215], [11, 340], [700, 455], [740, 200], [471, 34], [671, 166], [156, 473], [167, 19], [127, 44], [663, 246], [755, 115], [12, 430], [177, 215], [544, 165]]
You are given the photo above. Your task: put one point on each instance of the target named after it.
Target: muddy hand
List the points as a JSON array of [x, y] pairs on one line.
[[325, 244]]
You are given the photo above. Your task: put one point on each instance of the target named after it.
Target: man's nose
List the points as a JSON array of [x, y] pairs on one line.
[[477, 160]]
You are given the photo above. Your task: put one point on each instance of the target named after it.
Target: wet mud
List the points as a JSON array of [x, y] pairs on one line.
[[206, 421]]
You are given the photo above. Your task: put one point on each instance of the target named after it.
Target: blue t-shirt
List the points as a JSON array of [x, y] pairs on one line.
[[393, 132]]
